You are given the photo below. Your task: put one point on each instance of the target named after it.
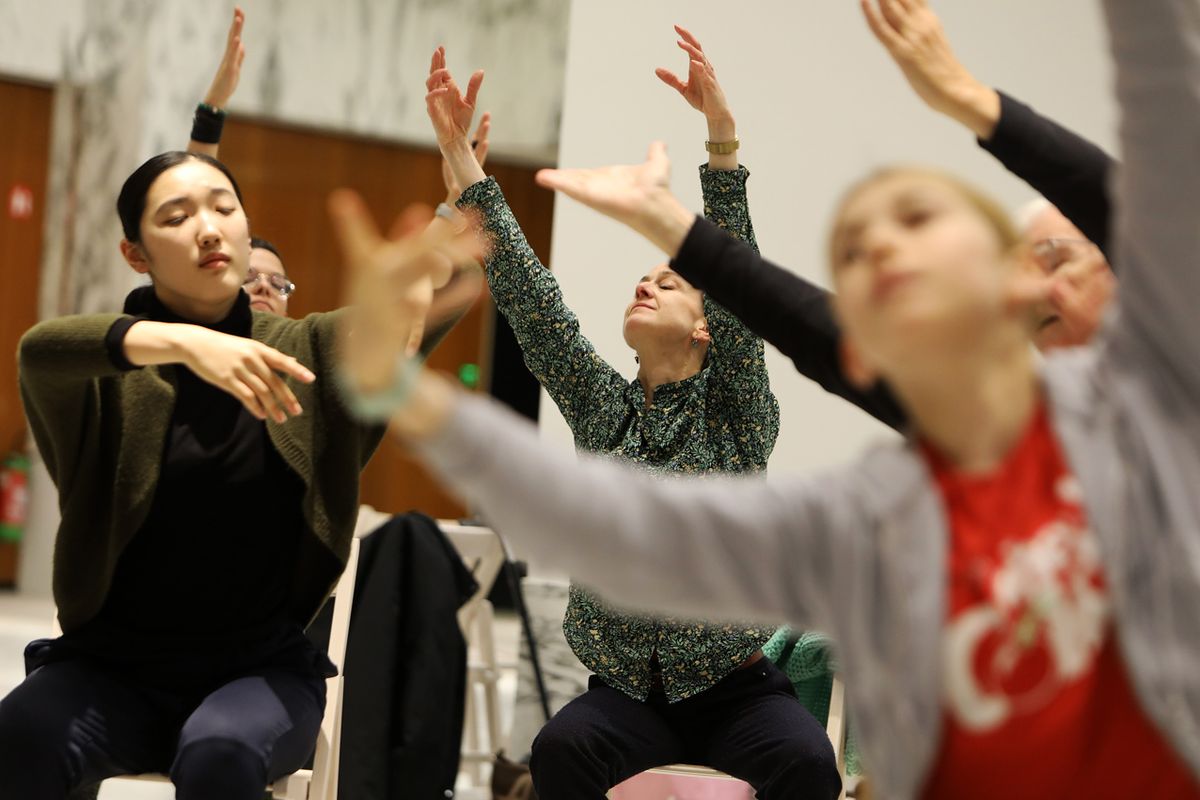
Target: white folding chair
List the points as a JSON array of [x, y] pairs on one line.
[[320, 782], [483, 553]]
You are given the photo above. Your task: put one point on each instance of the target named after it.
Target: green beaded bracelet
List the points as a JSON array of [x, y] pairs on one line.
[[379, 406]]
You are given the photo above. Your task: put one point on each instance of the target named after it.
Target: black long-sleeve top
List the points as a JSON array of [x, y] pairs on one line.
[[795, 315], [204, 587], [1066, 169]]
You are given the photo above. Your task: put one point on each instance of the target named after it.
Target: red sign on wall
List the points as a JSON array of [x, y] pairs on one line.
[[20, 202]]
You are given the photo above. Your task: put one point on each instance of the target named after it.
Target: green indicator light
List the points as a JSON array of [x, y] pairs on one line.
[[468, 374]]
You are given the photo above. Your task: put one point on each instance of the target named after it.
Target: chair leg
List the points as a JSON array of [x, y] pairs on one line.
[[471, 743], [485, 623], [836, 727]]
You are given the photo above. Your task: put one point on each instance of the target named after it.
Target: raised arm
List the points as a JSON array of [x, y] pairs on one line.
[[1063, 167], [737, 361], [1066, 169], [738, 379], [526, 293], [1156, 48], [728, 547], [210, 114], [780, 307], [776, 304]]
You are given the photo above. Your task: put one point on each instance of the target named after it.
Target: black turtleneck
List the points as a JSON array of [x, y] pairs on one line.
[[205, 581]]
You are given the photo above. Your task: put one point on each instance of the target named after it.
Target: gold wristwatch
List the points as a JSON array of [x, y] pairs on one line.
[[722, 148]]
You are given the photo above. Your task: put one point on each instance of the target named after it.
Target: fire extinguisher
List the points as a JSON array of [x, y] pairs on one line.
[[14, 496]]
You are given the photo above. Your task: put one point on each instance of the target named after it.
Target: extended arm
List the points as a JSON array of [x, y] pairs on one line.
[[1156, 47], [1062, 166], [210, 115]]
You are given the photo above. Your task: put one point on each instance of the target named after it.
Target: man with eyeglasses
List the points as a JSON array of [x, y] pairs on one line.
[[267, 281], [1086, 284]]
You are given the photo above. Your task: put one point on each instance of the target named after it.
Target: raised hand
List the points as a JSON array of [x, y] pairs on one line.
[[702, 91], [225, 82], [386, 276], [639, 195], [479, 143], [913, 36], [450, 110]]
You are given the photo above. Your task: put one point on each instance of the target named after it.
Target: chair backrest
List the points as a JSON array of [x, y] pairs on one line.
[[343, 599], [483, 553]]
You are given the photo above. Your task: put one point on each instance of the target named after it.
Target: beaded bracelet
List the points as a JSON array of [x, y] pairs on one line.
[[380, 405]]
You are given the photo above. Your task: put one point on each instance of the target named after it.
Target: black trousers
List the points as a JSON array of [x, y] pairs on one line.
[[75, 722], [749, 725]]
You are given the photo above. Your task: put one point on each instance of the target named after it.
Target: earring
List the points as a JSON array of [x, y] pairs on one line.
[[695, 342], [637, 360]]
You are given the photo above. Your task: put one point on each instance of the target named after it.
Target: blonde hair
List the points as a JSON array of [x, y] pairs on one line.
[[991, 211]]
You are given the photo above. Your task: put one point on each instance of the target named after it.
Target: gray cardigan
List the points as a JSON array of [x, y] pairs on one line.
[[860, 552]]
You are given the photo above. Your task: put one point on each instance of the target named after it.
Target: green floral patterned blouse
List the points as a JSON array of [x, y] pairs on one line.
[[723, 419]]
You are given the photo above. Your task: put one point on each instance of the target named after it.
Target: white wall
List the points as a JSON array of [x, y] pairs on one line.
[[818, 104]]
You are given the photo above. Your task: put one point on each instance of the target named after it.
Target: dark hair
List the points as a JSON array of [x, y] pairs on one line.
[[262, 244], [131, 202]]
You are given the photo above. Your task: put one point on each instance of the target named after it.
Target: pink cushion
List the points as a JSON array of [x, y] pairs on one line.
[[657, 786]]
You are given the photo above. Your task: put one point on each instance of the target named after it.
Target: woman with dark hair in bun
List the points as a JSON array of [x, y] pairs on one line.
[[208, 482]]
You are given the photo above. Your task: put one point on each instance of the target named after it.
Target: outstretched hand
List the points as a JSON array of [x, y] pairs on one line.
[[225, 82], [638, 195], [913, 36], [702, 91], [450, 110], [385, 279]]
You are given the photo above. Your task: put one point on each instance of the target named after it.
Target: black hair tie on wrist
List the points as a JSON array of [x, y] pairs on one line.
[[207, 124]]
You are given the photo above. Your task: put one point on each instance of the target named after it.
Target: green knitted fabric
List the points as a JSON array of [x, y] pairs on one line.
[[810, 668]]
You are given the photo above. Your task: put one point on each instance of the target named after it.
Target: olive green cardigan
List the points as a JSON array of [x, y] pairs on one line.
[[101, 432]]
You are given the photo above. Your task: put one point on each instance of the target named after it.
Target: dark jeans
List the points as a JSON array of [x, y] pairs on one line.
[[749, 725], [76, 721]]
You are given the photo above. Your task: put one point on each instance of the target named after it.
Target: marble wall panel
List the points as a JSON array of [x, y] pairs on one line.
[[128, 74]]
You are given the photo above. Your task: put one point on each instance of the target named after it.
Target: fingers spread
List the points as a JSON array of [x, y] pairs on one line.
[[558, 180], [287, 365], [473, 87], [250, 400], [879, 26], [281, 395], [438, 77], [261, 391], [687, 36], [894, 13], [692, 51], [671, 79]]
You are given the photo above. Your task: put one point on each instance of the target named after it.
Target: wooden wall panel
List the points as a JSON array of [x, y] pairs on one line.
[[286, 175], [24, 161]]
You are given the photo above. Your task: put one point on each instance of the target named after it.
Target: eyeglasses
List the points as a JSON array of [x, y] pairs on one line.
[[1050, 254], [279, 284]]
